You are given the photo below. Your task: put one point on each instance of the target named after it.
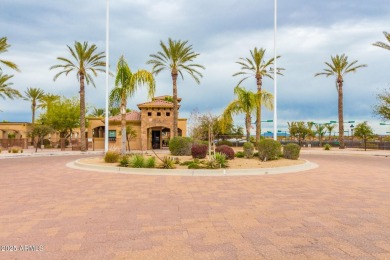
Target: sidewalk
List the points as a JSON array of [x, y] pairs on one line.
[[347, 151], [30, 152]]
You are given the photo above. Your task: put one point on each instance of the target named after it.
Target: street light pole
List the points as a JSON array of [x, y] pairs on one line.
[[107, 73], [275, 83]]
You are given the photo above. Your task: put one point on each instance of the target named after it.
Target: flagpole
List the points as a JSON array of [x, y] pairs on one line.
[[275, 77], [107, 74]]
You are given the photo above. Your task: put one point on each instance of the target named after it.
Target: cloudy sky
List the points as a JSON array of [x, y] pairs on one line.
[[309, 32]]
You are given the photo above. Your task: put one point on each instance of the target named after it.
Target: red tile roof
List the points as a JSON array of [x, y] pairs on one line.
[[131, 116], [156, 103]]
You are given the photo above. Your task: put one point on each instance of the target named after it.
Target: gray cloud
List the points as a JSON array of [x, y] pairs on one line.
[[221, 31]]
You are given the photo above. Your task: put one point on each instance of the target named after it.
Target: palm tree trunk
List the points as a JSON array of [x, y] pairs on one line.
[[82, 113], [175, 105], [123, 126], [33, 122], [248, 126], [341, 114], [258, 110], [33, 112]]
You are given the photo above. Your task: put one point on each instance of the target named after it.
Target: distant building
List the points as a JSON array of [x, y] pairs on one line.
[[14, 134]]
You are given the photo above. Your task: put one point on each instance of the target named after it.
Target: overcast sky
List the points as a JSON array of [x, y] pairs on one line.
[[309, 32]]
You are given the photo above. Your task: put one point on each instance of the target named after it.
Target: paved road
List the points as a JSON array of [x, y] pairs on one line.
[[340, 210]]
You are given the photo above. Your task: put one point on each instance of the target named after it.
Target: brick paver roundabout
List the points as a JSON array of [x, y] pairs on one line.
[[340, 210]]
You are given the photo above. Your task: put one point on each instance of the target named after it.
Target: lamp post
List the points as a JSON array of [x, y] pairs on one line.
[[275, 74], [107, 74]]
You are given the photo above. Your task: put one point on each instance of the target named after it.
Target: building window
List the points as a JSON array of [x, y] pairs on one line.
[[168, 114], [158, 113], [149, 113], [112, 135]]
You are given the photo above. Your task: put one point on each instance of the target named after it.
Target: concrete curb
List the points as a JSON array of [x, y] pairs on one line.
[[189, 172], [43, 154]]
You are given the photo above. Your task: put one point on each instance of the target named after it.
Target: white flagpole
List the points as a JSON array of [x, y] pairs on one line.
[[107, 74], [275, 77]]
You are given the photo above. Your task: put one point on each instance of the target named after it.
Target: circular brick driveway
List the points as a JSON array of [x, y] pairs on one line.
[[340, 210]]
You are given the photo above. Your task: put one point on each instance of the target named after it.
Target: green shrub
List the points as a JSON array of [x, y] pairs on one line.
[[111, 156], [186, 163], [240, 154], [224, 142], [327, 147], [167, 163], [136, 161], [212, 164], [199, 151], [221, 159], [15, 150], [124, 161], [269, 149], [227, 150], [291, 151], [180, 145], [256, 154], [194, 165], [150, 162], [248, 149]]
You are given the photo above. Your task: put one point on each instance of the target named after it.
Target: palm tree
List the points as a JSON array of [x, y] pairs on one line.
[[329, 128], [177, 57], [86, 61], [310, 131], [33, 95], [257, 67], [98, 112], [320, 131], [246, 102], [382, 44], [47, 101], [338, 68], [126, 84], [4, 48], [5, 89]]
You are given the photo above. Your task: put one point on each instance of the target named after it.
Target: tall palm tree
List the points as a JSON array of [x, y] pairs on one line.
[[382, 44], [47, 101], [177, 57], [5, 89], [87, 62], [4, 48], [34, 95], [126, 84], [257, 67], [246, 102], [338, 68]]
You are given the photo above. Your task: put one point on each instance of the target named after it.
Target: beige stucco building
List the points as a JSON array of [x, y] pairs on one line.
[[14, 134], [152, 125]]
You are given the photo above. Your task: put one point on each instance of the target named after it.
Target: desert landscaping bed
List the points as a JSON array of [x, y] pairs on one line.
[[237, 163]]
